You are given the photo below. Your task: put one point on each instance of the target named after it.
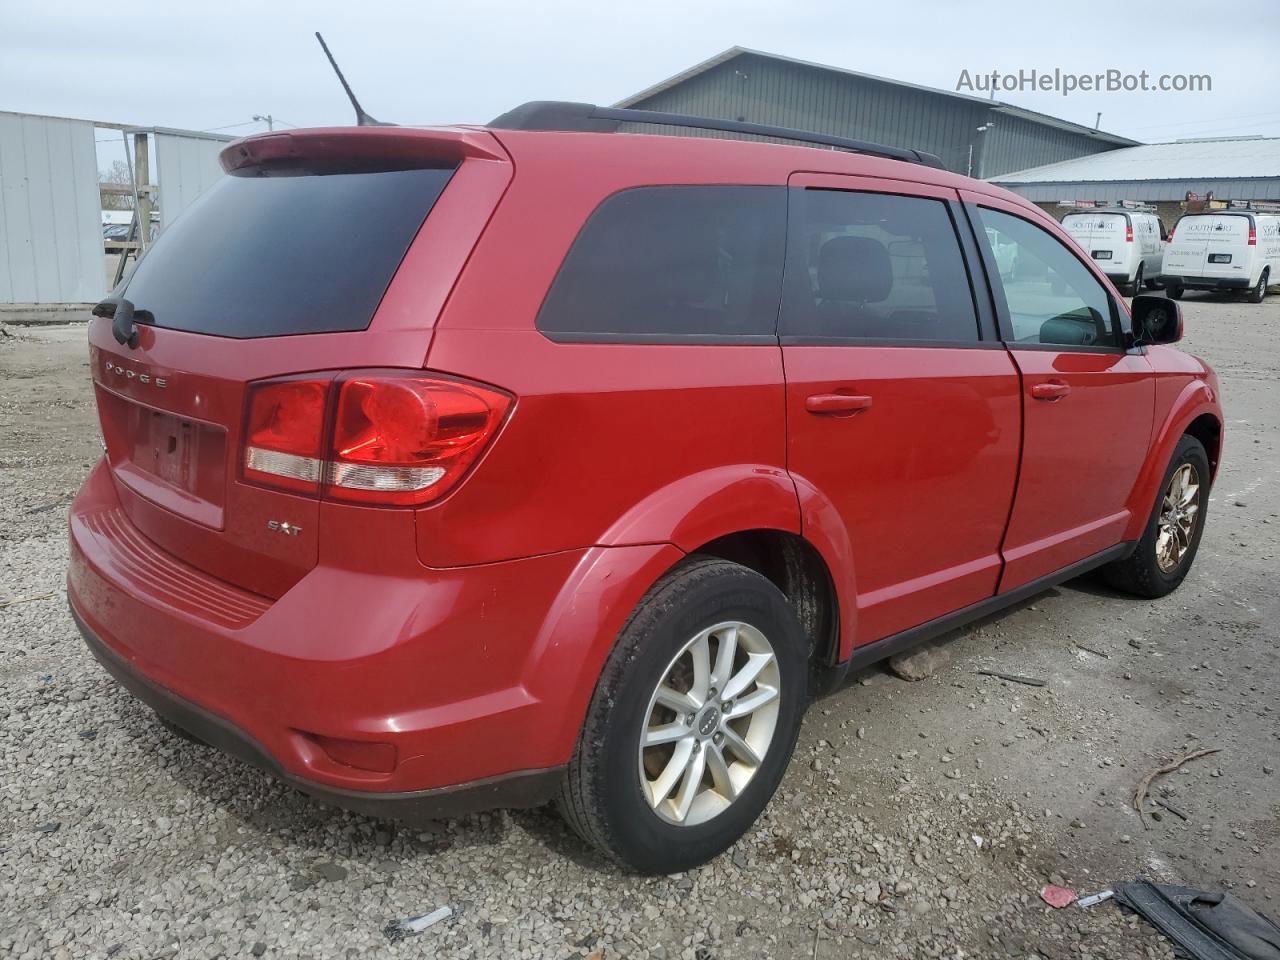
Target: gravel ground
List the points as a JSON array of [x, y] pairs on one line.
[[917, 820]]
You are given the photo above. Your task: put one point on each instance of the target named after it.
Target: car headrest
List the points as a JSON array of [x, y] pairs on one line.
[[855, 269]]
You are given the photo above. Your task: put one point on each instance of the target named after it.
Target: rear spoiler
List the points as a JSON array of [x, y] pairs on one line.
[[329, 150]]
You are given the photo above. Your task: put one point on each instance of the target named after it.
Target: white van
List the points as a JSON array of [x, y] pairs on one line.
[[1127, 244], [1224, 250]]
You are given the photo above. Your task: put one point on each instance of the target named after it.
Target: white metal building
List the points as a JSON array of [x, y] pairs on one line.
[[51, 243], [50, 224], [1231, 168]]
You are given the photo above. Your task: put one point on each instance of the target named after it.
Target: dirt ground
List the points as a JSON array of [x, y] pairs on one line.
[[918, 819]]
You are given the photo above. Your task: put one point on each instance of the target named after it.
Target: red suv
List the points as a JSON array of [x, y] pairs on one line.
[[474, 467]]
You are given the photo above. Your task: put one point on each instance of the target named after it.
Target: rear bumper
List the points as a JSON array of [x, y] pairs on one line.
[[461, 676], [1207, 283], [526, 788], [1118, 277]]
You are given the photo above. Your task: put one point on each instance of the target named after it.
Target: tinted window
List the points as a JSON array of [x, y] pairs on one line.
[[1051, 296], [672, 262], [267, 256], [869, 265]]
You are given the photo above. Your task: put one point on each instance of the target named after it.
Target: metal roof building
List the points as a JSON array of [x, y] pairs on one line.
[[1232, 168], [756, 87]]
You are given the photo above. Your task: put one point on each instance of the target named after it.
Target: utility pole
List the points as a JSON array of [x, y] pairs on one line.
[[1098, 121], [268, 120]]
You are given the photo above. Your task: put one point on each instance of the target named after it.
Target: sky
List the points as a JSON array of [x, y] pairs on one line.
[[213, 66]]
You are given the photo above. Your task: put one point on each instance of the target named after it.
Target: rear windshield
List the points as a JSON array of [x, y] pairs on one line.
[[1212, 226], [1092, 222], [271, 256]]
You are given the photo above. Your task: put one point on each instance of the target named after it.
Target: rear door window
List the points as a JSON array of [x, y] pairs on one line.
[[673, 264], [872, 266], [268, 256]]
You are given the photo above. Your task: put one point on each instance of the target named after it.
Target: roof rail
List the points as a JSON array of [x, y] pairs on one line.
[[1257, 206], [563, 115], [1131, 206]]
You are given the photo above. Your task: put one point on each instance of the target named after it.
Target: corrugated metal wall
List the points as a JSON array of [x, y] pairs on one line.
[[1148, 191], [186, 166], [762, 90], [1015, 143], [50, 219]]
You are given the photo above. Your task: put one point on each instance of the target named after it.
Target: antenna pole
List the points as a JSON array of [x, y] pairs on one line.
[[362, 119]]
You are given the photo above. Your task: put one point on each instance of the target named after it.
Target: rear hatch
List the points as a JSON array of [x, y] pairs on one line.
[[323, 250], [1102, 236], [1209, 245]]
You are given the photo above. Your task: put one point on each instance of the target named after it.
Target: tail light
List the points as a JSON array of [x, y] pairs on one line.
[[1128, 234], [1253, 237], [1169, 238], [407, 440], [392, 439], [282, 446]]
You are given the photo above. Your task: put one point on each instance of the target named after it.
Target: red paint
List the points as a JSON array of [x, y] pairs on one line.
[[399, 646]]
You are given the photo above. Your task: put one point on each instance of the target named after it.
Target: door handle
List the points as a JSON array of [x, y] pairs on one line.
[[835, 404], [1050, 391]]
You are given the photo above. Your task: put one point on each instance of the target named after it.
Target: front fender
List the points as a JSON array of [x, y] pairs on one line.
[[1196, 397]]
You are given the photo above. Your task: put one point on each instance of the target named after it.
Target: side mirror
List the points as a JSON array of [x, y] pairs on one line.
[[1156, 320]]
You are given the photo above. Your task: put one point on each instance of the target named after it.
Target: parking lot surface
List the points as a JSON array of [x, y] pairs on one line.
[[917, 819]]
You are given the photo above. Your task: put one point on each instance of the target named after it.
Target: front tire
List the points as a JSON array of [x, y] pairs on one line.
[[693, 720], [1168, 547], [1259, 292]]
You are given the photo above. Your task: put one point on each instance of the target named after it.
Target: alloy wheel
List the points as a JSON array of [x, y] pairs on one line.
[[1177, 519], [710, 723]]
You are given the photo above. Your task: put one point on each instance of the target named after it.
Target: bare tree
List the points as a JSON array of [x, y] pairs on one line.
[[117, 173]]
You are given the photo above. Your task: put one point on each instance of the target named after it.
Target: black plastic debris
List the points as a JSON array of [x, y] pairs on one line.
[[1206, 926]]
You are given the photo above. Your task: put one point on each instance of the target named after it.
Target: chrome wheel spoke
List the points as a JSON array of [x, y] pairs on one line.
[[719, 768], [726, 652], [744, 678], [692, 783], [661, 788], [752, 702], [675, 700], [665, 733], [701, 653], [740, 748]]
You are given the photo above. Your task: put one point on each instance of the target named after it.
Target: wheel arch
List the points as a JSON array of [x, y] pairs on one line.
[[1195, 411], [1207, 428], [799, 571]]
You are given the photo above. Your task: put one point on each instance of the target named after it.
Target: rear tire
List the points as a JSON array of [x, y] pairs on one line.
[[1259, 292], [1152, 570], [1173, 291], [1135, 287], [611, 792]]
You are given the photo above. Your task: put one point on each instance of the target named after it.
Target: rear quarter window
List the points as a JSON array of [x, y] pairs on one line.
[[673, 264], [267, 256]]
